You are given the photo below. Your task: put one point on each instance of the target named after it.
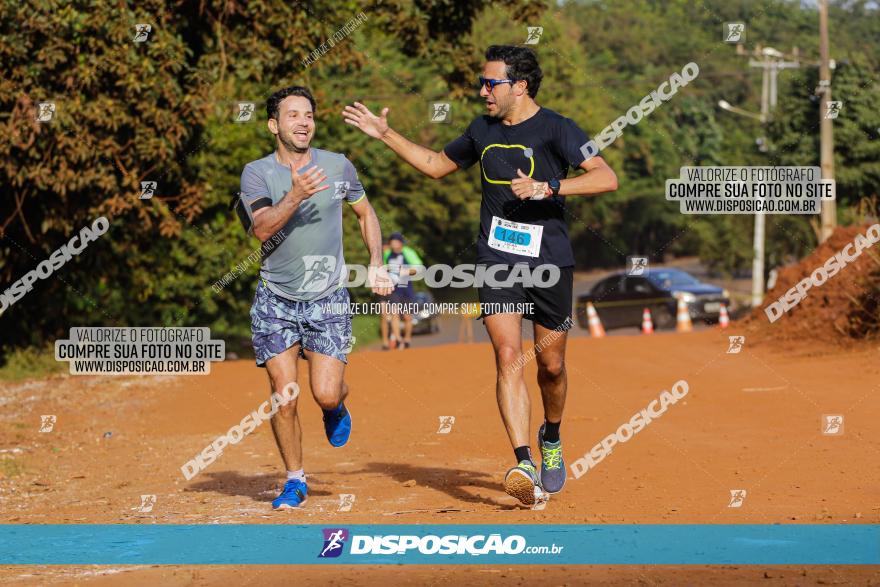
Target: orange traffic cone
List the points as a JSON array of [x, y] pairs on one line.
[[723, 318], [683, 318], [647, 325], [596, 329]]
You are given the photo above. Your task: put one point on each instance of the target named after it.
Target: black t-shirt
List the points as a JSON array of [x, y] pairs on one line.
[[544, 146]]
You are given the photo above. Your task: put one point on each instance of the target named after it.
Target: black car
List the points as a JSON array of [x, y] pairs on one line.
[[620, 299]]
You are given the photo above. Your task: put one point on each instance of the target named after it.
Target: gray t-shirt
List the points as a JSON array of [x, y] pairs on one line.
[[308, 263]]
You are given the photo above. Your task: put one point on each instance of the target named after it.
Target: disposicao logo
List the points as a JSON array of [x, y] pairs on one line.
[[334, 541], [405, 544]]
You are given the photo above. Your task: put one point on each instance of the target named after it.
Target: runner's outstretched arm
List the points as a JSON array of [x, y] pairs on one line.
[[432, 163]]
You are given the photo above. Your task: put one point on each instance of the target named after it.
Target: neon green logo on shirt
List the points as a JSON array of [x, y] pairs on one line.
[[497, 145]]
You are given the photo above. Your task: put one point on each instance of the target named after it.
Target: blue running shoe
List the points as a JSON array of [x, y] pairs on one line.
[[292, 496], [337, 425]]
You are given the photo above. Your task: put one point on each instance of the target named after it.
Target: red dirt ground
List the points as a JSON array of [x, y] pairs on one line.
[[833, 312], [750, 421]]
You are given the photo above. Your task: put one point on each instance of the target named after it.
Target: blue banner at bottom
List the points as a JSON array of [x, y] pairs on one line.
[[273, 544]]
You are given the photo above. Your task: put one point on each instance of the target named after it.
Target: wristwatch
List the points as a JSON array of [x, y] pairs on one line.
[[554, 186]]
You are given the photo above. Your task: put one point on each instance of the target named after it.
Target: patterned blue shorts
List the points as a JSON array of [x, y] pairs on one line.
[[278, 323]]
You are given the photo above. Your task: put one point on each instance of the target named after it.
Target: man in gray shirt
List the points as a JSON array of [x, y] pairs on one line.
[[295, 196]]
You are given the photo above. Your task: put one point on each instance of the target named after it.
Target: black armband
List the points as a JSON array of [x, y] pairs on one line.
[[245, 211]]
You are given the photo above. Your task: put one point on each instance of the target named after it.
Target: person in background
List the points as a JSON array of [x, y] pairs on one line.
[[399, 259], [469, 312]]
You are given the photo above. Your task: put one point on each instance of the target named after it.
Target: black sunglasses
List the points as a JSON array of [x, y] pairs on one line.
[[494, 82]]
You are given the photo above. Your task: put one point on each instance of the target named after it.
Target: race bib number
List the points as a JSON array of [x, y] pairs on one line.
[[515, 237]]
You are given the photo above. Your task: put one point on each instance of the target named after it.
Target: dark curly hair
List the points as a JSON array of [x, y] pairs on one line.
[[521, 62], [275, 99]]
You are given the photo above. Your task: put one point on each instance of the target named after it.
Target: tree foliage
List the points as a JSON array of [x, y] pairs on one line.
[[164, 110]]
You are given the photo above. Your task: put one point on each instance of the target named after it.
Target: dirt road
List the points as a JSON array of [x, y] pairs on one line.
[[751, 420]]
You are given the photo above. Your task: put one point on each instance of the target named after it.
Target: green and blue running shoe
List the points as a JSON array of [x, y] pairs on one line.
[[552, 466], [522, 483]]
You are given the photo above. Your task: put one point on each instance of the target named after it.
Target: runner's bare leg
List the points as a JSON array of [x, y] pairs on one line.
[[552, 377], [326, 380], [407, 328], [505, 331], [395, 327], [383, 325], [285, 423]]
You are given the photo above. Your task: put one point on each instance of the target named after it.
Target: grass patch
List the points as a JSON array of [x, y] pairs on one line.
[[10, 468], [31, 363], [365, 328]]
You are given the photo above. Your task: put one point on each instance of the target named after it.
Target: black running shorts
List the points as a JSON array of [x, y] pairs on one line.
[[550, 306]]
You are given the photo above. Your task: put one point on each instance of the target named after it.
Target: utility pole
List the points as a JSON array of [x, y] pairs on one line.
[[826, 134], [770, 61], [759, 239]]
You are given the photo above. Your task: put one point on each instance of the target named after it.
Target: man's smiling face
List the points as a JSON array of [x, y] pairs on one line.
[[296, 123], [500, 99]]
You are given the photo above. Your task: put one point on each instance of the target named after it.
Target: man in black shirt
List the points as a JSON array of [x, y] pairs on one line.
[[525, 152]]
